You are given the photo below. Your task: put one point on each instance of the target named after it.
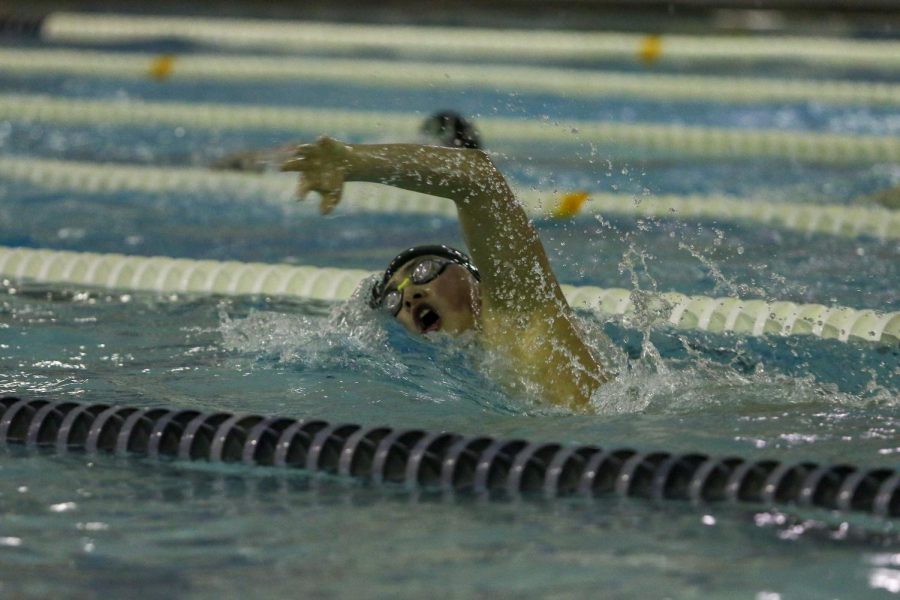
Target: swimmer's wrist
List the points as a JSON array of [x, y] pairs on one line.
[[366, 162]]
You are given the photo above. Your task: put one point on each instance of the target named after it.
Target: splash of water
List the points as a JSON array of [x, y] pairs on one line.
[[349, 338], [436, 368]]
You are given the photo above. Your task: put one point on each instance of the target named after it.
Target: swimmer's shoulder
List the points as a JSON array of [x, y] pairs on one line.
[[546, 347]]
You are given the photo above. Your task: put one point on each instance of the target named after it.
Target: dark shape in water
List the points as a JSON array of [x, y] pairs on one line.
[[452, 130]]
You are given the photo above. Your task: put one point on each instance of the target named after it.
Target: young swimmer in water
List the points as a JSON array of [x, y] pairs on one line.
[[509, 296]]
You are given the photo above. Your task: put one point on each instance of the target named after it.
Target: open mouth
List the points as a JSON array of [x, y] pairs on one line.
[[427, 319]]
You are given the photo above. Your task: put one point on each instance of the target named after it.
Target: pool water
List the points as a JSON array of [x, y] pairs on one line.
[[97, 526]]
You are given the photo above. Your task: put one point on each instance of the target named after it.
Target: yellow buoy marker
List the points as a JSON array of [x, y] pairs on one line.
[[650, 48], [569, 205], [162, 66]]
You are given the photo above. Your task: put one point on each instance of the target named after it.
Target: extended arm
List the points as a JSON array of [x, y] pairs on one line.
[[515, 271], [522, 302]]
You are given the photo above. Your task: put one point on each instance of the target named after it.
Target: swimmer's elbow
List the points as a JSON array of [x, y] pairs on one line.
[[484, 175], [479, 155], [481, 163]]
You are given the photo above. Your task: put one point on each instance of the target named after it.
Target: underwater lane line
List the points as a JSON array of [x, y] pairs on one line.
[[806, 217], [711, 142], [185, 276], [296, 35], [421, 75]]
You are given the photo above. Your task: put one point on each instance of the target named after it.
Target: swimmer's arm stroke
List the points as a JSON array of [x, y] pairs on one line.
[[515, 273], [517, 281]]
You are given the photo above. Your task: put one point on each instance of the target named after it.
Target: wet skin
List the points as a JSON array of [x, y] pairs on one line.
[[517, 308], [450, 302]]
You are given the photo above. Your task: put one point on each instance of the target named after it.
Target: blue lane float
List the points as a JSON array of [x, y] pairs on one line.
[[442, 461]]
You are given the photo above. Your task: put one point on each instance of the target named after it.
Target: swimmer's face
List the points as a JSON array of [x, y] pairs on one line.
[[450, 302]]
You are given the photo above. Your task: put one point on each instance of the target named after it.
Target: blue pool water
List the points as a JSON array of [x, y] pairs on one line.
[[84, 526]]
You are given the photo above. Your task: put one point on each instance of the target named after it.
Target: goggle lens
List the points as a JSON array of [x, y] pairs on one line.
[[426, 270], [392, 301]]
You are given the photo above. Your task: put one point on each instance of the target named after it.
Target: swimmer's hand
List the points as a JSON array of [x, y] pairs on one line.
[[323, 167]]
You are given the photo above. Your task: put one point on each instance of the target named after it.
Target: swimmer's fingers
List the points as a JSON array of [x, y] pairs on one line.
[[331, 196], [302, 159], [329, 201], [323, 150], [321, 170], [296, 163], [331, 186], [304, 187], [311, 176]]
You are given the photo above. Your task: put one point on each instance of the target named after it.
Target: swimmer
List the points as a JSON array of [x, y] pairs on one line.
[[506, 293], [445, 128], [450, 129]]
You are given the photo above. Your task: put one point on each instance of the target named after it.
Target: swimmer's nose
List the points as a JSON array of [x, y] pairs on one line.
[[416, 296]]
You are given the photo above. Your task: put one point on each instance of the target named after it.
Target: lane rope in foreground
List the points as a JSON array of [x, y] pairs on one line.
[[87, 177], [445, 462], [467, 42], [714, 142], [423, 75], [170, 275]]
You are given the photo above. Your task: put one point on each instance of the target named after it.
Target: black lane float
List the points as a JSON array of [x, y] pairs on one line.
[[443, 461]]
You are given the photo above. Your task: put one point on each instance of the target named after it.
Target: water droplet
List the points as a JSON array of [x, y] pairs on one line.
[[10, 541], [63, 507]]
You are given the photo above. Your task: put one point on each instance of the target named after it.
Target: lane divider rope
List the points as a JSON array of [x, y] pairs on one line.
[[469, 41], [423, 75], [86, 177], [714, 142], [171, 275], [444, 462]]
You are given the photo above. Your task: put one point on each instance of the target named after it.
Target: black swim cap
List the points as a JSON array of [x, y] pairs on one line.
[[451, 254], [451, 130]]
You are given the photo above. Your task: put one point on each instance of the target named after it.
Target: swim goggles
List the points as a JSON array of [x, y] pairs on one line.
[[437, 252], [424, 272]]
